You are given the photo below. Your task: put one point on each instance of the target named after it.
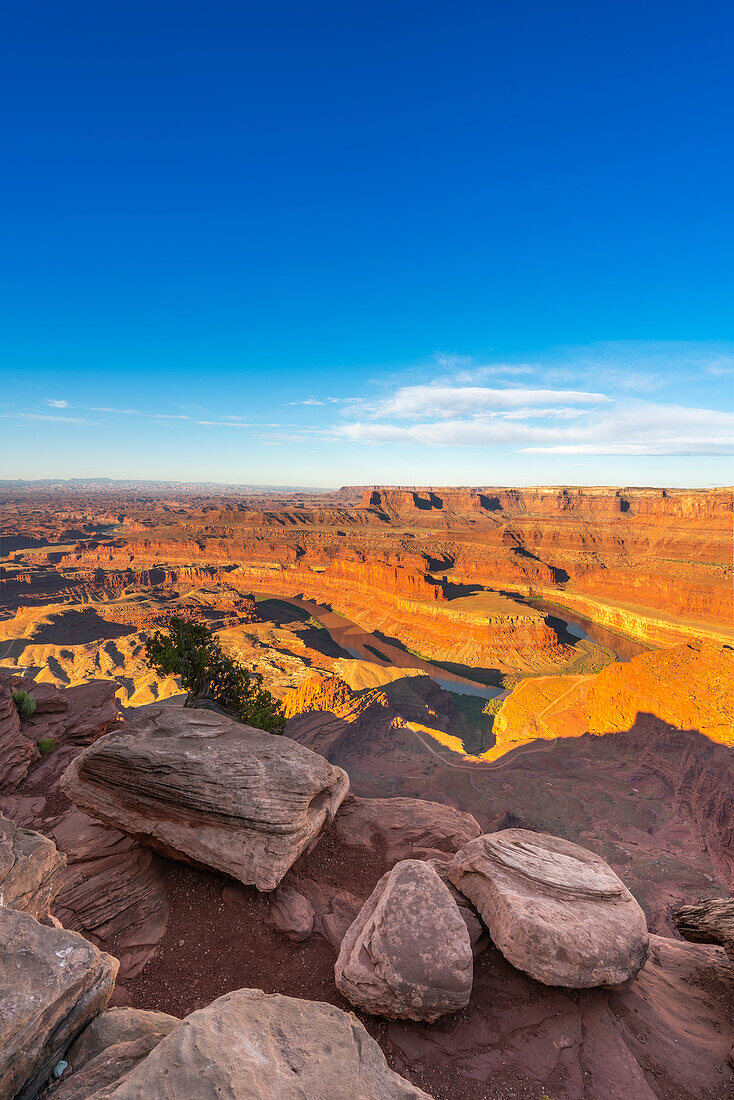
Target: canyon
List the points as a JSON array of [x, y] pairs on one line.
[[475, 662]]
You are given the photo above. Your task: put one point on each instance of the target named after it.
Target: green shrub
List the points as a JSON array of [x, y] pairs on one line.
[[46, 745], [25, 704], [190, 651], [492, 706]]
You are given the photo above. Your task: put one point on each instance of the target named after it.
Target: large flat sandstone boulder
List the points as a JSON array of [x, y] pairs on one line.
[[408, 954], [52, 983], [554, 909], [200, 787], [30, 870], [257, 1046]]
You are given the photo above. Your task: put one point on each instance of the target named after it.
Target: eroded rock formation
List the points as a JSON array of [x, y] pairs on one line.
[[30, 870], [117, 1025], [708, 922], [687, 687], [198, 786], [408, 954], [554, 909], [250, 1044], [52, 983]]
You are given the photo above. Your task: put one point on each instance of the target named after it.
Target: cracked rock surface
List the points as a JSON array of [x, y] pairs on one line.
[[52, 983], [408, 954]]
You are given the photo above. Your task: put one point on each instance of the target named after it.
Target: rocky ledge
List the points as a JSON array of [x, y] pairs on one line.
[[389, 909]]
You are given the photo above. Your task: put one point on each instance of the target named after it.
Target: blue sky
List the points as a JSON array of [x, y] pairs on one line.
[[349, 243]]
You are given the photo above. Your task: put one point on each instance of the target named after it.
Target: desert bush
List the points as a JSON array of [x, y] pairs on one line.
[[492, 706], [46, 745], [25, 704], [190, 651]]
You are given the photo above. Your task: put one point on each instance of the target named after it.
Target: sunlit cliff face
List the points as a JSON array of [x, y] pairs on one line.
[[442, 574]]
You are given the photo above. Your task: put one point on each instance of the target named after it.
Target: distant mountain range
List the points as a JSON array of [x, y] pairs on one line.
[[133, 483]]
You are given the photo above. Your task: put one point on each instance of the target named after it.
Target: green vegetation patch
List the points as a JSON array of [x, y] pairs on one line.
[[492, 707], [470, 723], [25, 704], [190, 651], [46, 745]]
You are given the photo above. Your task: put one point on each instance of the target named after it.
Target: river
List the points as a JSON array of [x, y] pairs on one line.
[[578, 627], [363, 646]]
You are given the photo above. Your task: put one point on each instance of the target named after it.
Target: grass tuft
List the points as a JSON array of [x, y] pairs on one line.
[[25, 704]]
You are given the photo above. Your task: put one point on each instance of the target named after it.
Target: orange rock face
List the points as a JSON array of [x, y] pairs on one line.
[[439, 571], [688, 687]]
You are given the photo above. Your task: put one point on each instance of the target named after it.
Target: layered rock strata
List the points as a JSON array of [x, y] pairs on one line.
[[17, 752], [30, 870], [554, 909], [708, 922], [200, 787]]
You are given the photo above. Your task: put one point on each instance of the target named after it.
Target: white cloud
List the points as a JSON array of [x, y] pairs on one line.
[[46, 416], [638, 427], [56, 404], [446, 401]]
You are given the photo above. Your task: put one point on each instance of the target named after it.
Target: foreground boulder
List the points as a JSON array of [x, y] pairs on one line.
[[30, 870], [114, 1026], [554, 909], [407, 827], [708, 922], [478, 937], [291, 914], [408, 954], [252, 1044], [52, 983], [200, 787]]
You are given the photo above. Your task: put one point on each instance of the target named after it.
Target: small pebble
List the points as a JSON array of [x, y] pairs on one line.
[[59, 1068]]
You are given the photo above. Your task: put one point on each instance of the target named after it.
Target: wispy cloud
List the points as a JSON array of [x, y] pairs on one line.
[[445, 401], [547, 414], [54, 403], [140, 412], [640, 428], [46, 416]]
